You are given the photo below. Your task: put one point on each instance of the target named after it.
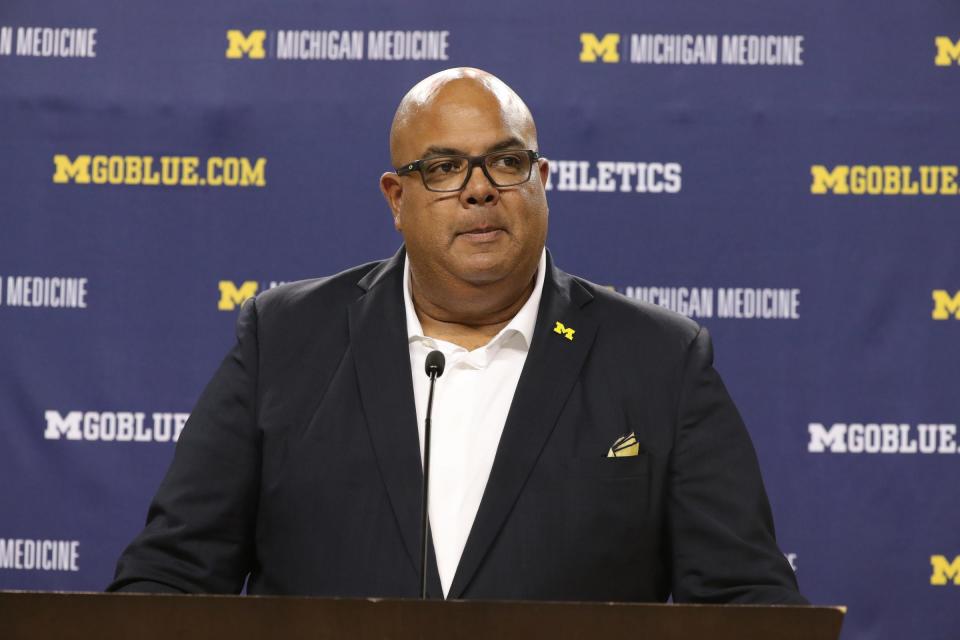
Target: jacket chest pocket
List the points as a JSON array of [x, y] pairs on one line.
[[602, 467]]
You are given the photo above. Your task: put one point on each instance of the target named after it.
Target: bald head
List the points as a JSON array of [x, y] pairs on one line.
[[459, 92], [473, 252]]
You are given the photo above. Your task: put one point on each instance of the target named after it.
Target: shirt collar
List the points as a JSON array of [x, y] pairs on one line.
[[523, 323]]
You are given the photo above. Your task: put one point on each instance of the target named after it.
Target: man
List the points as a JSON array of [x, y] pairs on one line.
[[585, 449]]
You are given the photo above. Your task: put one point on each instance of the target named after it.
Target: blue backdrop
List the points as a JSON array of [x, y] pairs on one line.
[[786, 173]]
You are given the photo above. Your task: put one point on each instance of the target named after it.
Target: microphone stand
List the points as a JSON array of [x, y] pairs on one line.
[[434, 368]]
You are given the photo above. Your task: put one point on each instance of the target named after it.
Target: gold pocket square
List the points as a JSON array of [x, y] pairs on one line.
[[625, 447]]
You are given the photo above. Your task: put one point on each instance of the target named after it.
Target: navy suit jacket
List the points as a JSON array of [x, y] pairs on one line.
[[300, 465]]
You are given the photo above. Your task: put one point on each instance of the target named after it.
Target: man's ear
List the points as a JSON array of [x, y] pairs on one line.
[[543, 166], [392, 190]]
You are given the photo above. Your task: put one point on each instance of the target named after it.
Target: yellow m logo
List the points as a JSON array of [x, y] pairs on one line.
[[252, 45], [606, 48], [231, 297], [65, 170], [824, 180], [948, 51], [945, 305], [564, 331], [944, 571]]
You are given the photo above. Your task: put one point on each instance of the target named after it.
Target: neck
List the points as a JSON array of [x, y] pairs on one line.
[[465, 314]]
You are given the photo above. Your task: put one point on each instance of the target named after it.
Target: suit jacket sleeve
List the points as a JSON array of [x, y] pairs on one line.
[[199, 532], [723, 543]]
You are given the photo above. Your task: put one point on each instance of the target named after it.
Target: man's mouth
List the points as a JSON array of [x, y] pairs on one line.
[[482, 234]]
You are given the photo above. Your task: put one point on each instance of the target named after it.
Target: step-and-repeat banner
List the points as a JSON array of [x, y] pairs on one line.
[[785, 173]]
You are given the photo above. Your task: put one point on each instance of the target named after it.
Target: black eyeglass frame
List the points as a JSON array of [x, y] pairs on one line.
[[472, 161]]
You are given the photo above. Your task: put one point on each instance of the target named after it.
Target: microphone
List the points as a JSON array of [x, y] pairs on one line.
[[434, 365], [434, 369]]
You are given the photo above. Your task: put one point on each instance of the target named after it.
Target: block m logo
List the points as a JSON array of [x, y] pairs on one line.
[[945, 305], [943, 571], [605, 48], [948, 51], [232, 296], [239, 44], [65, 169], [825, 180], [58, 425]]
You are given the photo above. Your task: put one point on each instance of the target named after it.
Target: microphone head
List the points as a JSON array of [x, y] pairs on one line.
[[435, 363]]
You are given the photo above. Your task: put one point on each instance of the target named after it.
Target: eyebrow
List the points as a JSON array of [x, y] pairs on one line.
[[507, 143]]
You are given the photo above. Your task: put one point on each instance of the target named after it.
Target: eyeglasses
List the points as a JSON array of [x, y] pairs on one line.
[[451, 173]]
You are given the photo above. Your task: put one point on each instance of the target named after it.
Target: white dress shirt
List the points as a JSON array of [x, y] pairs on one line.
[[470, 406]]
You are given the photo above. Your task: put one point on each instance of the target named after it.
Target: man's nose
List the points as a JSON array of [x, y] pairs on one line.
[[479, 190]]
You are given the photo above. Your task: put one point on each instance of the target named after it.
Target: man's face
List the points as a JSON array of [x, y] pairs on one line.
[[483, 233]]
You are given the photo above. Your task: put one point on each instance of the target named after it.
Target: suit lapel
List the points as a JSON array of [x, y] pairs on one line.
[[551, 369], [382, 358]]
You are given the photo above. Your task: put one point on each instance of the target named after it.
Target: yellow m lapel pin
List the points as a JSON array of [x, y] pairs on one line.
[[564, 331]]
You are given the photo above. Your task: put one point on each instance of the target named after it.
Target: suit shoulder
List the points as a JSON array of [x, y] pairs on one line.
[[304, 321], [314, 294], [620, 313]]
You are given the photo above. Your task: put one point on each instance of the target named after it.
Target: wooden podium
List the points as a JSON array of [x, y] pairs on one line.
[[39, 616]]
